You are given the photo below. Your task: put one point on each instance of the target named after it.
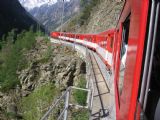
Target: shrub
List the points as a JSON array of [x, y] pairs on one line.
[[86, 6], [81, 114]]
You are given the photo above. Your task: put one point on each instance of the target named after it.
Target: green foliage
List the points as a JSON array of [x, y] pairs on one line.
[[80, 114], [49, 50], [94, 2], [12, 55], [86, 6], [85, 14], [48, 53], [11, 36], [72, 23], [83, 3], [34, 106], [87, 10], [79, 95], [10, 115], [1, 45], [82, 82]]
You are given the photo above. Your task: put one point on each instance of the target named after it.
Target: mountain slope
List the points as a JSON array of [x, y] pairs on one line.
[[50, 14], [13, 15], [103, 16]]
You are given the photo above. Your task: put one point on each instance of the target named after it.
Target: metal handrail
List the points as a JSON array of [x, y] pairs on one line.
[[58, 101], [89, 89], [91, 77], [54, 105]]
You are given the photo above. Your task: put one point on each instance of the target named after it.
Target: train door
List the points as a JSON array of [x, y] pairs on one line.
[[149, 92]]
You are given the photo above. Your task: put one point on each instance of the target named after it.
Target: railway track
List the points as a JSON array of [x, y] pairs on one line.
[[101, 101]]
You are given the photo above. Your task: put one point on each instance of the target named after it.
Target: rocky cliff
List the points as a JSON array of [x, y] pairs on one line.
[[103, 16], [13, 15], [51, 69]]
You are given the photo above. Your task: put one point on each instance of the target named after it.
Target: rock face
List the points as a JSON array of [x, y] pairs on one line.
[[13, 15], [46, 64], [103, 16], [61, 68]]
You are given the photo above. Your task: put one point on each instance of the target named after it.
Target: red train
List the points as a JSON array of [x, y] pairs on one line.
[[132, 52]]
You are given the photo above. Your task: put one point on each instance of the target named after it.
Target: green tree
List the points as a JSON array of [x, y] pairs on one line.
[[12, 55]]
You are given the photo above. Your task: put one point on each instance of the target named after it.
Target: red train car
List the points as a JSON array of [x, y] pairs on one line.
[[138, 88], [132, 52]]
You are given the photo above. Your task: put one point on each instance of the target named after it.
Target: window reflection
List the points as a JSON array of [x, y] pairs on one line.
[[123, 54]]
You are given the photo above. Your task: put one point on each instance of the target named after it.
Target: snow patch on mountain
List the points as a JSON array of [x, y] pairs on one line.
[[30, 4]]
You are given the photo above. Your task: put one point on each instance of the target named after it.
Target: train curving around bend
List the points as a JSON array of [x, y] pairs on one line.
[[132, 52]]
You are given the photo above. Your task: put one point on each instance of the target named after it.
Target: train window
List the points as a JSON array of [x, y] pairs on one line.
[[111, 44], [77, 37], [123, 54], [90, 39], [103, 44], [149, 96]]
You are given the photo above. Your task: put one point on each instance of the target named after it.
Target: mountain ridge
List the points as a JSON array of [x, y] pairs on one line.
[[14, 16], [50, 16]]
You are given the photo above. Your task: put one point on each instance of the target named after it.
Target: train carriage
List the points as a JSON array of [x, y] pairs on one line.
[[132, 52]]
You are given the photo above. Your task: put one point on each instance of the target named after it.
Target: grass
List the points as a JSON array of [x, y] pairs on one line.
[[80, 96], [48, 53], [80, 114], [35, 105]]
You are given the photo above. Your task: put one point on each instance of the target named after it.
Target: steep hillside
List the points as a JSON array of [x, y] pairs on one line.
[[34, 73], [50, 14], [13, 15], [104, 15]]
